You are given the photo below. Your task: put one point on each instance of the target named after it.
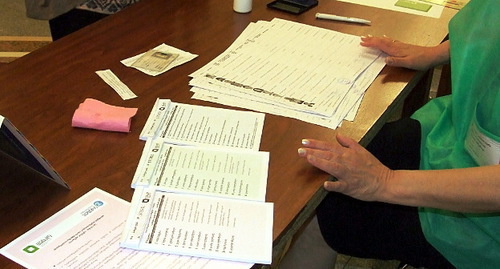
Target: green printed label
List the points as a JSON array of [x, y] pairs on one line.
[[416, 5]]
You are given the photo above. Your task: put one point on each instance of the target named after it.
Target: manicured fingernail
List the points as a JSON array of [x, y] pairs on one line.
[[305, 142], [301, 151]]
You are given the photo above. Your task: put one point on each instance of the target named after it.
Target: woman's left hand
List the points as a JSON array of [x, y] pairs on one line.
[[359, 174]]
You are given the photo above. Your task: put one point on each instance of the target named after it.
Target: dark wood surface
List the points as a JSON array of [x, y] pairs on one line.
[[40, 92]]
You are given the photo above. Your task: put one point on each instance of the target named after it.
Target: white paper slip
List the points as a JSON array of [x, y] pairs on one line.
[[200, 226], [203, 171], [193, 125], [114, 82], [86, 234]]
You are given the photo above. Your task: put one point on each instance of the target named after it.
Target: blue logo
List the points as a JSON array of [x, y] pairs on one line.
[[94, 206]]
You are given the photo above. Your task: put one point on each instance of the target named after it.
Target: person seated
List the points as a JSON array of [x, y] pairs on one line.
[[68, 16], [426, 189]]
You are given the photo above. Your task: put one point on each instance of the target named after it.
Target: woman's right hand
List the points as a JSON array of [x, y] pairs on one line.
[[407, 55]]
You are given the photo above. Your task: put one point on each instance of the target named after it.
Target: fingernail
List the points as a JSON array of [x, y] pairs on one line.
[[301, 151], [305, 142]]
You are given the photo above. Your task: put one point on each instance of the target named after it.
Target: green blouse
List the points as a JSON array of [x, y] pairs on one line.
[[463, 130]]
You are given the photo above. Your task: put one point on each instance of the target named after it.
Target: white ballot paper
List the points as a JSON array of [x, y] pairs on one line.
[[204, 171], [201, 226], [193, 125], [86, 234]]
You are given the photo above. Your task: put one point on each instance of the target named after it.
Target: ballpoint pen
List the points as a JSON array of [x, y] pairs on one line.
[[341, 18]]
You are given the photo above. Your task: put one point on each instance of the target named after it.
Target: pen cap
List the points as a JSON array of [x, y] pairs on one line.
[[242, 6]]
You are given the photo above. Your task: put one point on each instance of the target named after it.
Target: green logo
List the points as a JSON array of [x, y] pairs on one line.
[[30, 249]]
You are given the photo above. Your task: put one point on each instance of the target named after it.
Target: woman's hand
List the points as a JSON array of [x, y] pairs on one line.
[[407, 55], [359, 173]]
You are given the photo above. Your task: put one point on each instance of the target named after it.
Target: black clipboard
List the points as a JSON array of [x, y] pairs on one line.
[[16, 152], [293, 6]]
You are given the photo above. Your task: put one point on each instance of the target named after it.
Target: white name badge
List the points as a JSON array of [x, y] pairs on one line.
[[483, 149]]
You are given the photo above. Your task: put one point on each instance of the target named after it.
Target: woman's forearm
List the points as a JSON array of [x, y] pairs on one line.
[[468, 190], [441, 53]]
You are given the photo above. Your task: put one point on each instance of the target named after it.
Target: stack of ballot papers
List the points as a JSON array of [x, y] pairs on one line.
[[200, 185], [293, 70]]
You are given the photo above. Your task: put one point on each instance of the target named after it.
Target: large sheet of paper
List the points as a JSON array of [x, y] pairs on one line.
[[185, 124], [203, 171], [86, 234], [202, 226], [271, 68]]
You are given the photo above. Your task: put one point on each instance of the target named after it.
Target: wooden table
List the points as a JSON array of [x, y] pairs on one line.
[[40, 92]]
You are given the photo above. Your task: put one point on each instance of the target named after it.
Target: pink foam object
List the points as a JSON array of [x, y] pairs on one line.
[[94, 114]]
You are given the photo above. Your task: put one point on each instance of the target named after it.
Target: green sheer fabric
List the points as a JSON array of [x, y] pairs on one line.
[[466, 240]]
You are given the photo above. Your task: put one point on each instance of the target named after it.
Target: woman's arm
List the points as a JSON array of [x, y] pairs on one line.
[[468, 190], [407, 55], [362, 176]]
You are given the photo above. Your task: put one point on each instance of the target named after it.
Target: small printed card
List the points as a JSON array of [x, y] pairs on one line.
[[154, 60], [181, 57]]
